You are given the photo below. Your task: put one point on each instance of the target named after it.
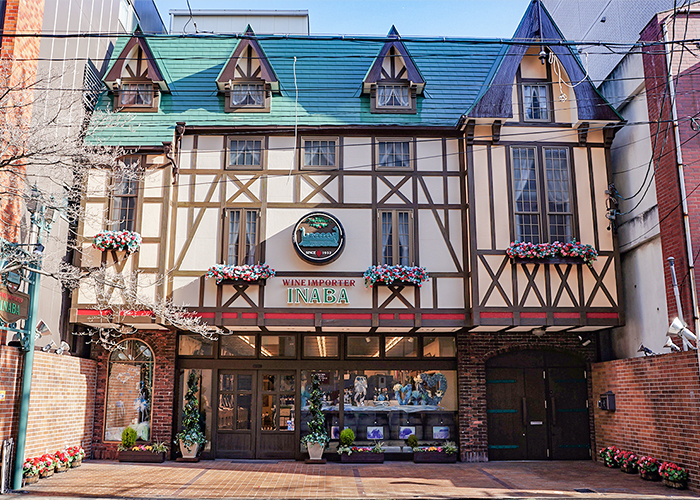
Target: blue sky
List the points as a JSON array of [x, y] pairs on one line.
[[463, 18]]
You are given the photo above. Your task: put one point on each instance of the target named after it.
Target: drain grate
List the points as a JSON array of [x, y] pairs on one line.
[[583, 490]]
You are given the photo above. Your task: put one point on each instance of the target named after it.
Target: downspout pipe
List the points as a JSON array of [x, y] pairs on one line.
[[681, 181]]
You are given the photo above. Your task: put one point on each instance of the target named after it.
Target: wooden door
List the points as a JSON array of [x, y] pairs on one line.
[[505, 396], [277, 414], [569, 411], [235, 419], [535, 417]]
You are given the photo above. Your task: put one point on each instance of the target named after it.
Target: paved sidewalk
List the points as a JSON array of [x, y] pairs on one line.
[[226, 479]]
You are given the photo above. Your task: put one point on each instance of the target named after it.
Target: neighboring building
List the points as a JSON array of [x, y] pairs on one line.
[[263, 22], [651, 225], [408, 153]]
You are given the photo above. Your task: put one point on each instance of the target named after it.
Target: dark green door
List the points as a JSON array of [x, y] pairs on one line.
[[537, 407]]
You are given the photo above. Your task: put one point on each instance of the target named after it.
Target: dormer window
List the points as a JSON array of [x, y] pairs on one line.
[[136, 95], [247, 79], [247, 94], [393, 80], [134, 79], [393, 96]]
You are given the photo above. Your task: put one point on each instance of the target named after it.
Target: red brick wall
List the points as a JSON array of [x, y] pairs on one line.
[[163, 345], [18, 70], [473, 350], [671, 227], [658, 402], [10, 382], [61, 405]]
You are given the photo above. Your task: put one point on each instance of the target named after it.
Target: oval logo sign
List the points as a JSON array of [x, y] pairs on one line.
[[318, 238]]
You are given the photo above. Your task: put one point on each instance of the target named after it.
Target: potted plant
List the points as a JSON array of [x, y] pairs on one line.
[[127, 241], [395, 275], [648, 468], [47, 465], [627, 461], [673, 475], [359, 454], [62, 461], [609, 456], [445, 453], [192, 436], [317, 438], [31, 469], [246, 274], [75, 456], [554, 253]]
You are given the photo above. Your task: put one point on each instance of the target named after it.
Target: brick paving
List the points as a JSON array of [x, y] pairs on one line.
[[226, 479]]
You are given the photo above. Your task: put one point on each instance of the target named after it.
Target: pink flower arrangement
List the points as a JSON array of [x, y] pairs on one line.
[[128, 241], [574, 249], [244, 273], [648, 464], [673, 472], [390, 274]]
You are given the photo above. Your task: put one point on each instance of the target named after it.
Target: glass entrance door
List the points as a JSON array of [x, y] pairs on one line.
[[277, 438], [256, 414], [235, 431]]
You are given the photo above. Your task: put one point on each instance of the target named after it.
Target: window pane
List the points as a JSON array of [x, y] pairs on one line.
[[394, 96], [320, 346], [277, 346], [244, 406], [319, 153], [245, 152], [250, 237], [269, 382], [245, 382], [363, 346], [240, 346], [247, 94], [129, 391], [269, 412], [558, 194], [195, 345], [227, 403], [394, 154], [525, 194], [226, 382], [439, 347], [330, 385], [387, 239], [401, 347], [535, 102], [233, 237], [287, 383], [404, 238], [286, 418]]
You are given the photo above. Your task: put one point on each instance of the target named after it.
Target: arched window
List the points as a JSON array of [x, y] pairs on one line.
[[129, 390]]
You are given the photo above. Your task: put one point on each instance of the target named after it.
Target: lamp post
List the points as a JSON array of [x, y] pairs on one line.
[[41, 218]]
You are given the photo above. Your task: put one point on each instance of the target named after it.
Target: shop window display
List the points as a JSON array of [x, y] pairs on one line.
[[129, 391], [390, 405], [195, 345]]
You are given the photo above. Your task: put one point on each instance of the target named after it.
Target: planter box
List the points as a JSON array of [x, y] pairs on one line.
[[628, 470], [395, 283], [433, 457], [31, 479], [76, 463], [549, 260], [62, 469], [141, 456], [243, 282], [650, 476], [679, 485], [362, 458]]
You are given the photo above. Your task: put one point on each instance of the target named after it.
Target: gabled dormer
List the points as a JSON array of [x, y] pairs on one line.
[[393, 80], [134, 79], [247, 79]]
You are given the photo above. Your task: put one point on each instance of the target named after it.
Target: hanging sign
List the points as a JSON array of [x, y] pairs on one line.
[[13, 305], [318, 238]]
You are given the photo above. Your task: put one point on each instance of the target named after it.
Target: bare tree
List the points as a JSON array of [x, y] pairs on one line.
[[45, 161]]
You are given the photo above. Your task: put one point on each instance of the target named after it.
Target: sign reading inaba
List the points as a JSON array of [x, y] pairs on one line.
[[13, 305], [318, 238]]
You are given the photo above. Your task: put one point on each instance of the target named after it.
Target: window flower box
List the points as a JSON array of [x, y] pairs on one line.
[[446, 453], [395, 275], [125, 241], [240, 275], [552, 253]]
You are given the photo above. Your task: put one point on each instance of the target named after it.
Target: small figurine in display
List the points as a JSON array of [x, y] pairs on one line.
[[360, 390]]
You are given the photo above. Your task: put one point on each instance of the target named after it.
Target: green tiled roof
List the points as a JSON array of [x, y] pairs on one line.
[[329, 77]]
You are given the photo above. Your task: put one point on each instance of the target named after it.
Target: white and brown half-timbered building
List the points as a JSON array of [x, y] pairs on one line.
[[331, 160]]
